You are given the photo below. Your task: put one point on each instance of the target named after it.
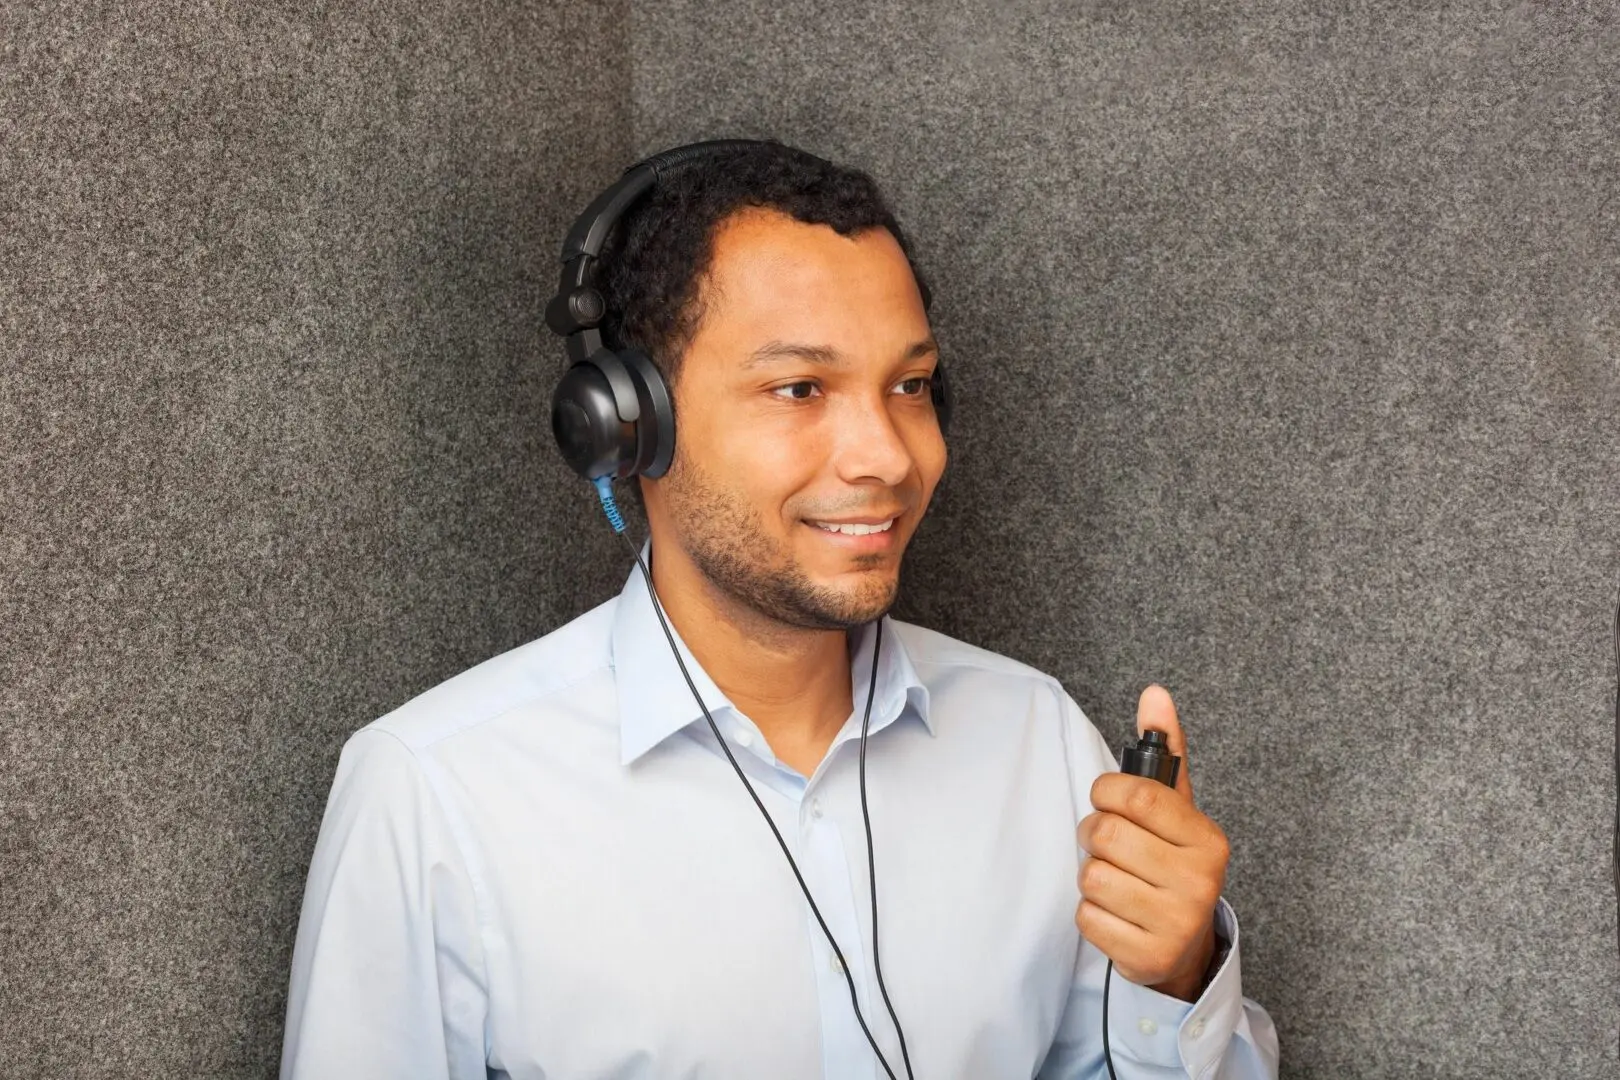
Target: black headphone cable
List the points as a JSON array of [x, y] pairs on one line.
[[605, 493], [871, 857], [1108, 1054]]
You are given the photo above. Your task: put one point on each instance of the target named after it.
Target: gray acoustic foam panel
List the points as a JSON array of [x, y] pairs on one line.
[[274, 457], [1285, 337]]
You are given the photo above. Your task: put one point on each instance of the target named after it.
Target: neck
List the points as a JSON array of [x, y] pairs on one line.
[[794, 684]]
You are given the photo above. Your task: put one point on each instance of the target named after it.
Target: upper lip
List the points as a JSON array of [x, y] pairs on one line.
[[879, 520]]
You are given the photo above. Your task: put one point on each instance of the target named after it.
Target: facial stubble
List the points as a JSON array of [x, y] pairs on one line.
[[726, 540]]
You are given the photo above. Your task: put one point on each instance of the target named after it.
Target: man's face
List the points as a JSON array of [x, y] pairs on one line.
[[803, 415]]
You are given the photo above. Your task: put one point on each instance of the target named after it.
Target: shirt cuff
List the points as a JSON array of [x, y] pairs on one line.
[[1159, 1030]]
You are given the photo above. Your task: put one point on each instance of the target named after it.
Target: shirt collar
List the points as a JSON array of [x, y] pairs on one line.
[[655, 702]]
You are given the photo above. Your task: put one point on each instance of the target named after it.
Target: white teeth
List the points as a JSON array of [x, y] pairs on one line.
[[857, 530]]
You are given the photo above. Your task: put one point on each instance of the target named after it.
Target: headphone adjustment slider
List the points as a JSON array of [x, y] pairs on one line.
[[577, 309]]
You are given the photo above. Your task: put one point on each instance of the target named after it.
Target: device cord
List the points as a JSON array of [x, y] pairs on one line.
[[843, 965], [1108, 1055], [871, 857]]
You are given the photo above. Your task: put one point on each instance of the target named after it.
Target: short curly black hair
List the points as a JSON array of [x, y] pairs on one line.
[[654, 259]]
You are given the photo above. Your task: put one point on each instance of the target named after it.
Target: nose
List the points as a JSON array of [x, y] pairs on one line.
[[868, 444]]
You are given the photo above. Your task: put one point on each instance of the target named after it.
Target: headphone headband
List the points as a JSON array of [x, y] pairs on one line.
[[590, 230]]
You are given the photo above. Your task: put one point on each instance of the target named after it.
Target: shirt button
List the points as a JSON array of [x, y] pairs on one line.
[[1196, 1028], [745, 738], [815, 812], [1147, 1026], [837, 965]]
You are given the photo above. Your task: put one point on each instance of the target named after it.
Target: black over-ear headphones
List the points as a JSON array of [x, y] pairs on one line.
[[612, 413]]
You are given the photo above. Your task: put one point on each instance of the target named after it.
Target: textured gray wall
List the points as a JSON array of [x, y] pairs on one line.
[[1286, 346], [273, 458]]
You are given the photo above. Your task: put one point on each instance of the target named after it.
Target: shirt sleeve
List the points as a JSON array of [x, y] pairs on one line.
[[388, 975], [1221, 1036]]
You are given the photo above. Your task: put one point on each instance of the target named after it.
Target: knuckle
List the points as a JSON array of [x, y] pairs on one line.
[[1092, 875], [1105, 833], [1143, 798]]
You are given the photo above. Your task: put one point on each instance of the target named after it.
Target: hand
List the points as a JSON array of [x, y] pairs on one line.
[[1155, 870]]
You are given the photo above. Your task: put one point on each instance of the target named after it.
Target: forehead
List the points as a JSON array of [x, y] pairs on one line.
[[772, 277]]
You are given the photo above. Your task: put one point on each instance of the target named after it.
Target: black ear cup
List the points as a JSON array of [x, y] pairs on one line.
[[942, 397], [589, 417], [585, 422]]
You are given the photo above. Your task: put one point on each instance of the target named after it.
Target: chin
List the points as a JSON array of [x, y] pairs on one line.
[[868, 598]]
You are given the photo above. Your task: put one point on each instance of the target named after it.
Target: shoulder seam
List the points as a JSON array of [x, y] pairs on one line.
[[486, 718]]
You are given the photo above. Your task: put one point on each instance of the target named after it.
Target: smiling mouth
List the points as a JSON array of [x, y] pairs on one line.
[[854, 528]]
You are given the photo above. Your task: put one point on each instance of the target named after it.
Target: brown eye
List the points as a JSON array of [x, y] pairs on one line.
[[916, 387], [799, 391]]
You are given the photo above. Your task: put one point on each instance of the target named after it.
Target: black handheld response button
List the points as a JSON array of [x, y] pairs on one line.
[[1150, 756]]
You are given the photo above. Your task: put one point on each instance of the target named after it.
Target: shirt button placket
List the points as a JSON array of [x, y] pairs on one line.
[[826, 868]]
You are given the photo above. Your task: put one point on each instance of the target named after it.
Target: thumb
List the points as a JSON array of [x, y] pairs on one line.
[[1156, 711]]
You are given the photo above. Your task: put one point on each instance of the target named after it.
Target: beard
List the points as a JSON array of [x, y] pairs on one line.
[[726, 540]]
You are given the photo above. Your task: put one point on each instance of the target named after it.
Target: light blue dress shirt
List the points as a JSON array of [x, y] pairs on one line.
[[546, 868]]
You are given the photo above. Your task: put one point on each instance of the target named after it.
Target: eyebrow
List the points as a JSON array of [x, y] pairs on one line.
[[773, 351]]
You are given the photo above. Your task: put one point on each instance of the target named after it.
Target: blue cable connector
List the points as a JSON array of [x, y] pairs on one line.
[[604, 491]]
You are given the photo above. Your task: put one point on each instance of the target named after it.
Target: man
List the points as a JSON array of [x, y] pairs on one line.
[[551, 866]]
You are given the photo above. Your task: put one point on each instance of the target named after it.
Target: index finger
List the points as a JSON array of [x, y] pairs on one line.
[[1162, 811]]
